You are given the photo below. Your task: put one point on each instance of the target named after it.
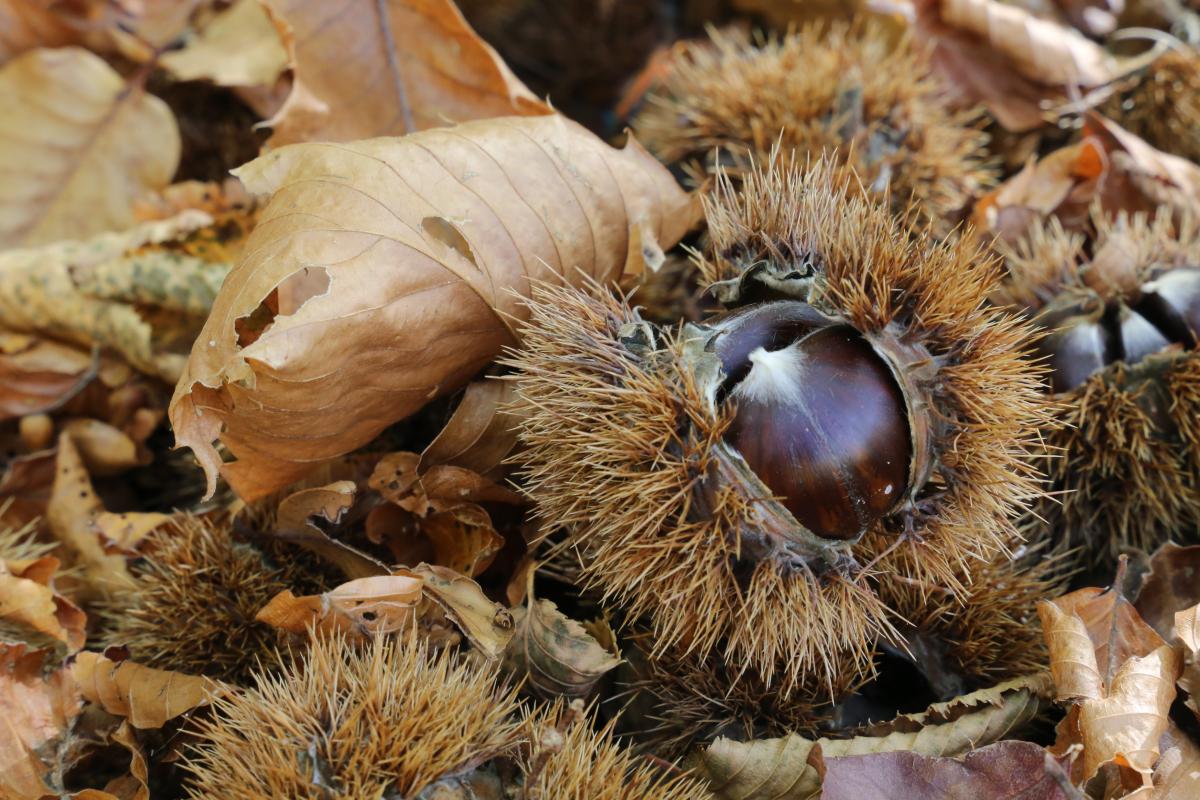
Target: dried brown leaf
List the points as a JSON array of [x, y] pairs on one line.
[[386, 272], [552, 655], [1171, 586], [386, 68], [298, 519], [26, 25], [123, 533], [78, 146], [74, 506], [105, 450], [147, 697], [480, 434], [38, 375], [28, 598], [37, 712], [1177, 774], [487, 625], [1002, 771], [790, 767], [381, 604]]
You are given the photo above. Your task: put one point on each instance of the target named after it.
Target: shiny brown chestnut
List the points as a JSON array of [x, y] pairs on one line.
[[820, 417]]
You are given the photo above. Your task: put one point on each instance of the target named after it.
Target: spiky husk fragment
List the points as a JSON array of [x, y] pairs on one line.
[[990, 632], [1124, 459], [827, 87], [386, 720], [197, 593], [617, 443], [1162, 103], [570, 760]]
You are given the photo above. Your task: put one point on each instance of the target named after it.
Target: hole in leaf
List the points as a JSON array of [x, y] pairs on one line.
[[446, 233], [284, 300]]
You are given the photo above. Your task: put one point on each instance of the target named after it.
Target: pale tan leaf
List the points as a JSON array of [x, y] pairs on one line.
[[239, 46], [1187, 630], [1177, 774], [381, 604], [487, 625], [1072, 654], [1160, 178], [388, 67], [37, 713], [552, 655], [386, 272], [1128, 722], [78, 146], [73, 507], [1040, 49], [123, 533], [28, 598], [147, 697], [84, 291], [105, 450], [789, 768]]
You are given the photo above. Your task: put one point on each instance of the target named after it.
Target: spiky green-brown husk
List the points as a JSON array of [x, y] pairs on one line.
[[193, 607], [1124, 460], [825, 88], [1162, 104], [386, 720], [572, 761], [618, 443]]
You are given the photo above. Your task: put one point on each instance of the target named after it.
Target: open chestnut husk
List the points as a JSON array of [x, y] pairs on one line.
[[1121, 318], [740, 486]]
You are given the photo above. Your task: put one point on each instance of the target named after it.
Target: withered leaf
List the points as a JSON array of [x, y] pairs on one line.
[[85, 291], [73, 507], [28, 597], [487, 625], [386, 272], [1171, 586], [1001, 771], [38, 375], [1177, 774], [552, 654], [37, 712], [297, 519], [147, 697], [235, 46], [480, 434], [789, 768], [386, 69], [105, 450], [78, 146], [135, 785], [381, 604], [26, 25]]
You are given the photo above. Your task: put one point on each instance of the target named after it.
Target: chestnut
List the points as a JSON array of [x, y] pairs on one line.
[[819, 418]]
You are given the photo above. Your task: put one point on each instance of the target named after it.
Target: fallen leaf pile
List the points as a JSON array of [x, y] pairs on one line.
[[268, 273]]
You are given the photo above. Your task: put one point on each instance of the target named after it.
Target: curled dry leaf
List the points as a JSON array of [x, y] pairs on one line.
[[487, 625], [1177, 774], [234, 46], [96, 291], [1187, 631], [552, 655], [1142, 177], [73, 508], [300, 516], [147, 697], [1001, 771], [38, 375], [26, 25], [78, 146], [790, 767], [481, 433], [38, 710], [28, 598], [388, 68], [381, 604], [386, 272], [105, 450], [437, 510], [1170, 586]]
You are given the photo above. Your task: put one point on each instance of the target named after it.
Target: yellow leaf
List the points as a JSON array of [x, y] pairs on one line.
[[388, 67], [386, 272], [78, 147]]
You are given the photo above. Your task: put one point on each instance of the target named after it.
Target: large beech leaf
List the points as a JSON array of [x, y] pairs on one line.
[[78, 147], [148, 697], [386, 272], [388, 67]]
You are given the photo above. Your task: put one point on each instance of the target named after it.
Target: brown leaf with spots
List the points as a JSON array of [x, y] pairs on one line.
[[78, 147], [301, 513], [38, 711], [385, 272], [381, 604], [386, 68], [147, 697], [39, 375]]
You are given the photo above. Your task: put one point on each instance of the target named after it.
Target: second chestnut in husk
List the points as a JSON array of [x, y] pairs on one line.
[[743, 485]]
